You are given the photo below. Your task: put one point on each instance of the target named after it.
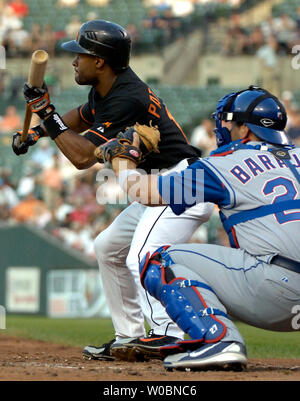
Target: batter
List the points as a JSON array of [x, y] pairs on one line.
[[118, 99]]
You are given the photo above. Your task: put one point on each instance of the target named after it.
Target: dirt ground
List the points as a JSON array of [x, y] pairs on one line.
[[28, 360]]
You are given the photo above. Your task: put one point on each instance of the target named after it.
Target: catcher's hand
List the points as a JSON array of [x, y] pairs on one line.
[[118, 147], [149, 137], [34, 134]]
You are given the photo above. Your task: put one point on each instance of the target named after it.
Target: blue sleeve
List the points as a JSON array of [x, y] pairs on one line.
[[196, 184]]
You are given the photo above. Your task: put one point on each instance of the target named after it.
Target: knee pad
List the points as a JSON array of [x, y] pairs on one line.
[[153, 271], [181, 298], [185, 305]]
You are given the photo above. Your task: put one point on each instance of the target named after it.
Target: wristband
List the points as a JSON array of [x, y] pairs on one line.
[[123, 176], [55, 125]]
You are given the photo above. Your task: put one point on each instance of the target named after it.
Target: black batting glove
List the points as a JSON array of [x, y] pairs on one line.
[[34, 134], [117, 147], [128, 134], [38, 100]]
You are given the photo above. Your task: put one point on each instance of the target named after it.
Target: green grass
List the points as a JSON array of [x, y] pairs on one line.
[[81, 332], [77, 332], [270, 344]]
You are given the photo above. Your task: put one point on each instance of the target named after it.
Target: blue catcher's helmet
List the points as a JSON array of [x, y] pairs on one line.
[[258, 109]]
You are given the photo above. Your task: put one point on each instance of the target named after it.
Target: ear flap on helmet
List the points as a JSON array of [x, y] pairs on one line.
[[223, 134], [261, 111]]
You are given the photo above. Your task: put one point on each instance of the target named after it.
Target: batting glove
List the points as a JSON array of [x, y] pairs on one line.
[[38, 100], [117, 147], [34, 134]]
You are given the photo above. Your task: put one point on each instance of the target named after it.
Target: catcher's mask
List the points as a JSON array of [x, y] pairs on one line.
[[258, 109], [103, 39]]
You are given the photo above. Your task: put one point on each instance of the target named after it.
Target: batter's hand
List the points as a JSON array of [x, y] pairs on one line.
[[38, 100], [34, 134]]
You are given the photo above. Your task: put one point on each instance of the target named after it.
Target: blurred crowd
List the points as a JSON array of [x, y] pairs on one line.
[[165, 16], [19, 41], [168, 18], [279, 33], [49, 198], [15, 38]]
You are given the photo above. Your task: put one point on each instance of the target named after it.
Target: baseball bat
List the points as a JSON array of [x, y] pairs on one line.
[[36, 75]]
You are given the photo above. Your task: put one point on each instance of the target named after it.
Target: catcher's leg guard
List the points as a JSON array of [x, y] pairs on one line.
[[182, 300]]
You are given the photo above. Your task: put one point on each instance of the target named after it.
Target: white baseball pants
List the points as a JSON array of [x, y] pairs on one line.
[[119, 248]]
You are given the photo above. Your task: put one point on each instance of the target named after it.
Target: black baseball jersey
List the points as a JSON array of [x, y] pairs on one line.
[[130, 100]]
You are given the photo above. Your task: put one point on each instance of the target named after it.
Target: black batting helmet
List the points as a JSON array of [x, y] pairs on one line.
[[103, 39]]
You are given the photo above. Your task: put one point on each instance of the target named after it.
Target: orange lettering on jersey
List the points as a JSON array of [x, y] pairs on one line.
[[152, 109], [153, 98], [152, 93], [107, 124], [173, 119], [156, 101]]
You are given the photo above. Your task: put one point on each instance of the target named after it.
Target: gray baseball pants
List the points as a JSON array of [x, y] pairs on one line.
[[245, 287]]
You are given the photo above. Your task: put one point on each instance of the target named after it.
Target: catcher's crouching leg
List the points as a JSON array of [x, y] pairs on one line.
[[183, 302]]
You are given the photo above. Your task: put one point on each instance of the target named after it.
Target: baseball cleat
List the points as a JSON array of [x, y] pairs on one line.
[[218, 356], [142, 349], [101, 353]]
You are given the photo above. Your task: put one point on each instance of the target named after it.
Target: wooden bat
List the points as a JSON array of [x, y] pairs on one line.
[[36, 75]]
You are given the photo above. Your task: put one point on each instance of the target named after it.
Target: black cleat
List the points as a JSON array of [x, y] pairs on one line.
[[142, 349], [101, 353]]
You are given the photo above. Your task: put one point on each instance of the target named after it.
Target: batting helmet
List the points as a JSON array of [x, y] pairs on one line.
[[258, 109], [103, 39]]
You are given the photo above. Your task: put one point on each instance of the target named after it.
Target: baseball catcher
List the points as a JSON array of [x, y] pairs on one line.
[[253, 177]]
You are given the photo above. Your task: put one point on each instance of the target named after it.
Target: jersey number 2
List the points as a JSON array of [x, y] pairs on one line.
[[290, 194]]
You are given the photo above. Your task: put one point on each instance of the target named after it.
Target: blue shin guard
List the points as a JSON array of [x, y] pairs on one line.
[[182, 300]]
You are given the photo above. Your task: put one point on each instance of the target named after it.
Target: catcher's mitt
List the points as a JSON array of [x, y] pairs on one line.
[[149, 137], [118, 147]]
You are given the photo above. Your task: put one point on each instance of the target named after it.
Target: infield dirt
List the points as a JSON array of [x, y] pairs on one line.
[[30, 360]]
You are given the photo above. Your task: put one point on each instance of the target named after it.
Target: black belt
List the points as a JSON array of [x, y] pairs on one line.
[[192, 160], [286, 263]]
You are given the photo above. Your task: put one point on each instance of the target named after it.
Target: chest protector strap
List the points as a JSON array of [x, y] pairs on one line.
[[265, 210], [242, 217]]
